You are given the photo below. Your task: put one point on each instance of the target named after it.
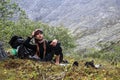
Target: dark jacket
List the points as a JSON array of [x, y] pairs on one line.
[[49, 49]]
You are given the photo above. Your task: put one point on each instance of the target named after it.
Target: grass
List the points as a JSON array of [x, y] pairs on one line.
[[24, 69], [19, 69]]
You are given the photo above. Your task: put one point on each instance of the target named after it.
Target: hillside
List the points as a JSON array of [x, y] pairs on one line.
[[13, 69], [92, 21], [26, 69], [95, 24]]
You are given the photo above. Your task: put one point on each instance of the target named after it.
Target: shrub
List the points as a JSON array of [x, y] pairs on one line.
[[25, 27]]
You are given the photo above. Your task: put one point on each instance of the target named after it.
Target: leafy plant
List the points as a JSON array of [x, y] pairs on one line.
[[8, 9]]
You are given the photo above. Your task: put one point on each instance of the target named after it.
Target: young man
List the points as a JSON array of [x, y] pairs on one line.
[[45, 50]]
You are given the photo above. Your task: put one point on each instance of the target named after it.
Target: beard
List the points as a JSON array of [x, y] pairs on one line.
[[39, 40]]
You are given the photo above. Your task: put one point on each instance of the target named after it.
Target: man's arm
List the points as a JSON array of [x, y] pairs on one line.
[[55, 46], [27, 44]]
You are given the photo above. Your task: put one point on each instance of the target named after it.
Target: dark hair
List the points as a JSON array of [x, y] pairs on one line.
[[37, 32]]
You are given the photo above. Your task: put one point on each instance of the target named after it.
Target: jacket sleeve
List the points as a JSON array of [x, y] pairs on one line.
[[57, 47], [27, 44], [58, 43]]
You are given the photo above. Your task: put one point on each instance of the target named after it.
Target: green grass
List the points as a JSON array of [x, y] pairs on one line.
[[19, 69], [23, 69]]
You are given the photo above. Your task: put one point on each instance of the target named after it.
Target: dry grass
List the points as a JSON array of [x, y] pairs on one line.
[[17, 69]]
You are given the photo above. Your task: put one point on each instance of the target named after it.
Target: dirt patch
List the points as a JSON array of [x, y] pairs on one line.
[[11, 65]]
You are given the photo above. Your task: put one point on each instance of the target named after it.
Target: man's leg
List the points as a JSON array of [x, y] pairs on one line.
[[58, 52], [61, 57], [57, 59], [49, 56]]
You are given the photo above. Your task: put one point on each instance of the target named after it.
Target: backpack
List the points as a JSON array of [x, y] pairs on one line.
[[15, 41], [23, 52]]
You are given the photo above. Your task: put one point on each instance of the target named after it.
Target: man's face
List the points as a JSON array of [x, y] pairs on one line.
[[39, 36]]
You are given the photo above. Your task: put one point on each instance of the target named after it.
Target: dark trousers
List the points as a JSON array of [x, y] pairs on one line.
[[50, 56]]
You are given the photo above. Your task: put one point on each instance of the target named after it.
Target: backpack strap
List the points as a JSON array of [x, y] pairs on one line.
[[37, 51], [44, 46]]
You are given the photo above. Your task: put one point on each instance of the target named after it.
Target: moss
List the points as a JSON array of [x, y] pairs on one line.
[[17, 69]]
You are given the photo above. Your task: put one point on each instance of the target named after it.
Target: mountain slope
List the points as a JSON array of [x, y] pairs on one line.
[[93, 21]]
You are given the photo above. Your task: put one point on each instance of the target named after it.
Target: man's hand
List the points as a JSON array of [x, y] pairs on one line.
[[33, 33], [54, 42]]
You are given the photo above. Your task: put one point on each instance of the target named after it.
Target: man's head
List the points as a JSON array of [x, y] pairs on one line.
[[38, 34]]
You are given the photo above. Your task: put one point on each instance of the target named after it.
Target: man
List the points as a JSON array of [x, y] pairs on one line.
[[44, 49]]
